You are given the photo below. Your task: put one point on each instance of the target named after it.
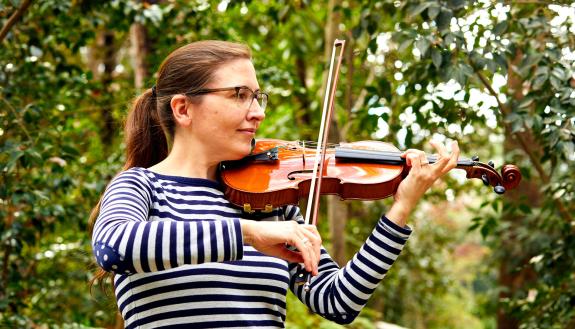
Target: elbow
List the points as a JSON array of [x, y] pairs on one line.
[[343, 319], [346, 319], [111, 260]]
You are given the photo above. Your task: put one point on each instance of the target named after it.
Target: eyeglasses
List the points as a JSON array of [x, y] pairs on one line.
[[244, 95]]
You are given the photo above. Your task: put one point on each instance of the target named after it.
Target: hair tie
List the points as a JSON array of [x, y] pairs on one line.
[[154, 95]]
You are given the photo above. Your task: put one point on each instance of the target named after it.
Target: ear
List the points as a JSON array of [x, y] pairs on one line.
[[181, 110]]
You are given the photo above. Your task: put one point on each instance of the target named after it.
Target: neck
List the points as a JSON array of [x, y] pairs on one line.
[[185, 160]]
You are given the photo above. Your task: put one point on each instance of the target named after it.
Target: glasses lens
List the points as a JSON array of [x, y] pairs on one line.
[[262, 100], [245, 98]]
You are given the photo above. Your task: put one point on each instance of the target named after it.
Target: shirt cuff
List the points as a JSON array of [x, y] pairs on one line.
[[396, 230], [239, 239]]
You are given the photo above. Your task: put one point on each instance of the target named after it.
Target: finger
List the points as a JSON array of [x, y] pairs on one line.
[[423, 159], [440, 165], [441, 150], [406, 154], [442, 153], [315, 237], [415, 158], [300, 244], [310, 250], [289, 255], [454, 158], [412, 160], [315, 248]]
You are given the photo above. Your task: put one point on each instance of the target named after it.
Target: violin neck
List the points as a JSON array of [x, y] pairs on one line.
[[385, 157]]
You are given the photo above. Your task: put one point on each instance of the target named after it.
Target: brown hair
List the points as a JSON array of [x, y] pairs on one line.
[[150, 125]]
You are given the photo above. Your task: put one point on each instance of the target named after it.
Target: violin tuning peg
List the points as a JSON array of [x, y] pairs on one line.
[[485, 179], [491, 164], [475, 158], [499, 189]]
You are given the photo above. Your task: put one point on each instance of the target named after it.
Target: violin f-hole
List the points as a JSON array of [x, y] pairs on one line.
[[295, 172]]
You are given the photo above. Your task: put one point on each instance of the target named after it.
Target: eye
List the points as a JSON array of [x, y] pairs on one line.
[[244, 94]]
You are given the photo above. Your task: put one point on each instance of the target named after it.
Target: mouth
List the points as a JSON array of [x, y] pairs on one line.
[[251, 131]]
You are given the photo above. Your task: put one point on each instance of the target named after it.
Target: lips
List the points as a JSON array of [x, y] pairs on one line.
[[248, 130]]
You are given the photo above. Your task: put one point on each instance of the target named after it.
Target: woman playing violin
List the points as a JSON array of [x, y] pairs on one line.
[[181, 254]]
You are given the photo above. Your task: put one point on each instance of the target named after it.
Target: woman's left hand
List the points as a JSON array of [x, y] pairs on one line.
[[420, 178]]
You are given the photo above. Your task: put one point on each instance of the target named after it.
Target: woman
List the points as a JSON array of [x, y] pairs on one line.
[[182, 255]]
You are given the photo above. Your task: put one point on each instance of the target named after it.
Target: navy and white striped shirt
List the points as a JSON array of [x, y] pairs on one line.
[[176, 247]]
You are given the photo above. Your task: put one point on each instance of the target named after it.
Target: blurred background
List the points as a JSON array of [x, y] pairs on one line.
[[497, 76]]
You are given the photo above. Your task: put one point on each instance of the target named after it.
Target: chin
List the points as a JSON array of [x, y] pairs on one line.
[[240, 152]]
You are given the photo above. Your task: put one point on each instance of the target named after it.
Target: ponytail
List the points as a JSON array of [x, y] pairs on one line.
[[146, 142]]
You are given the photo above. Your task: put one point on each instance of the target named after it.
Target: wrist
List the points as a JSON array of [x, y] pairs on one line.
[[399, 213], [247, 229]]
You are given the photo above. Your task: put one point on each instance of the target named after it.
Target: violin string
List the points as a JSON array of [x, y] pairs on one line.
[[295, 147]]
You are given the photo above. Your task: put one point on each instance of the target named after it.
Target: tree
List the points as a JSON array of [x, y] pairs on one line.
[[497, 77]]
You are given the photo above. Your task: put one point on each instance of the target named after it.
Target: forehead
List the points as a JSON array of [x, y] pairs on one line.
[[240, 72]]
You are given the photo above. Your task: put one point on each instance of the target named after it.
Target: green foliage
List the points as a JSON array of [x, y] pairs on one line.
[[497, 77]]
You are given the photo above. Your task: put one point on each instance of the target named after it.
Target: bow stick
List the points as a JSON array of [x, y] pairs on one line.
[[312, 209]]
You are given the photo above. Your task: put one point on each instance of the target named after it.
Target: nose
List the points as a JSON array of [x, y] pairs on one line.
[[256, 112]]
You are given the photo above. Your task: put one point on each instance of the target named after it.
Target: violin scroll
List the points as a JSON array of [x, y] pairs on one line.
[[508, 179]]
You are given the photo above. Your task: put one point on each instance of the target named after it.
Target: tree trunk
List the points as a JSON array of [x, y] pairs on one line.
[[140, 51], [513, 256], [106, 43]]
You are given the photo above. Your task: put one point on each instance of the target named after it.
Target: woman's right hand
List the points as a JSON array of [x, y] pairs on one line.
[[273, 239]]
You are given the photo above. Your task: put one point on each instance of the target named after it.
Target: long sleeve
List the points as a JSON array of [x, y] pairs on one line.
[[125, 239], [339, 294]]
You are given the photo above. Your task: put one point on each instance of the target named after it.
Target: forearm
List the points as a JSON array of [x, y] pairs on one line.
[[135, 247], [399, 213], [339, 295]]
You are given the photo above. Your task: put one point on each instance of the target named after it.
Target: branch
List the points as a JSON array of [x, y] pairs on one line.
[[14, 18], [18, 119], [358, 102], [524, 145], [492, 91]]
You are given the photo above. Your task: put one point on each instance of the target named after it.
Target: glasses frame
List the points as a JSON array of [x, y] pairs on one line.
[[255, 94]]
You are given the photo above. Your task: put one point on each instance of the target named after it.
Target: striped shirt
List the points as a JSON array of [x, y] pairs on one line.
[[175, 245]]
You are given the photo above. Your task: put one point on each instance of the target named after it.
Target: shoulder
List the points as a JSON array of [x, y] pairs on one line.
[[134, 179]]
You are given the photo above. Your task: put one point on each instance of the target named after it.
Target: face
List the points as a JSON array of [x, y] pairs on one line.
[[221, 127]]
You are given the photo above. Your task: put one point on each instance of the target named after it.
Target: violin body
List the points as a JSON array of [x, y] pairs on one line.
[[279, 173], [266, 184]]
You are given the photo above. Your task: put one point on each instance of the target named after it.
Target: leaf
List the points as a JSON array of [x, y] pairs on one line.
[[559, 73], [499, 59], [422, 45], [385, 89], [406, 43], [456, 4], [448, 39], [444, 19], [436, 57], [416, 10], [517, 126], [500, 28], [14, 156], [433, 11]]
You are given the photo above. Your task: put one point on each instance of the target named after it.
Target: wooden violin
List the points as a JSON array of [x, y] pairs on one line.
[[279, 173]]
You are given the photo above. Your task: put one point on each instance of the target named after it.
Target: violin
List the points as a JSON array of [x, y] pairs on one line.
[[278, 173]]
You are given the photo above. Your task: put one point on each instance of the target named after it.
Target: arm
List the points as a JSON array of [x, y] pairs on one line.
[[125, 241], [340, 294]]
